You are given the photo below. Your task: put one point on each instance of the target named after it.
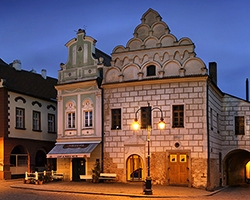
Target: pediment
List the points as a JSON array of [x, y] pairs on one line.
[[134, 140]]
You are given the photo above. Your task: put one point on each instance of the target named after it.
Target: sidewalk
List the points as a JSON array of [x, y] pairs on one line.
[[115, 189]]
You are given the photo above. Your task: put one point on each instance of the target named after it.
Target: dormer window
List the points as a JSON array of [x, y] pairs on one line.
[[151, 70]]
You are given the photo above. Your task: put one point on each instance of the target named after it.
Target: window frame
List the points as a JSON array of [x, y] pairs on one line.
[[239, 125], [71, 120], [180, 119], [116, 121], [151, 70], [51, 123], [20, 119], [87, 119], [36, 121]]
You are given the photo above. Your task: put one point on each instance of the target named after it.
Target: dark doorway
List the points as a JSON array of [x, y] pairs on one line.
[[41, 161], [78, 167]]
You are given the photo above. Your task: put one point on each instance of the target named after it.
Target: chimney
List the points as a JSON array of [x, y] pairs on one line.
[[44, 74], [213, 71], [247, 90], [17, 65]]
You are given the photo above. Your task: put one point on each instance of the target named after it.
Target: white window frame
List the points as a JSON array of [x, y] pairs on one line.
[[70, 115], [87, 114]]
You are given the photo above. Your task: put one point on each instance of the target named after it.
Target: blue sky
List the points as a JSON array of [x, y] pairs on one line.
[[35, 31]]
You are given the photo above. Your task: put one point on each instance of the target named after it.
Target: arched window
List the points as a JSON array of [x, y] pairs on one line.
[[151, 70], [87, 112], [70, 115]]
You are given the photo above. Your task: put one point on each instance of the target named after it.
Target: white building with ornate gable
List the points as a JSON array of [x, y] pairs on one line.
[[206, 130], [155, 77]]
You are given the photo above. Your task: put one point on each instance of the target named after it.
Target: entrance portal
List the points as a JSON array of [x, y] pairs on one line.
[[134, 168], [178, 169], [78, 167]]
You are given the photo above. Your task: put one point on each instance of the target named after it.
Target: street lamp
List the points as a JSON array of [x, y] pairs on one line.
[[148, 110]]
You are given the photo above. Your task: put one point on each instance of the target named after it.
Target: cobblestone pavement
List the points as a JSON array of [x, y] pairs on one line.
[[114, 189]]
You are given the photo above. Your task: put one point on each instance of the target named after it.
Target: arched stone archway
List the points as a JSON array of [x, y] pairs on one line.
[[134, 168], [18, 160], [234, 166]]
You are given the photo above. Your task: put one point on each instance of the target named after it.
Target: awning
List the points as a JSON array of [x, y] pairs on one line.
[[72, 150]]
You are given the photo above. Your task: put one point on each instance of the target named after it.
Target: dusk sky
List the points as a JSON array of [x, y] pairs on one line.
[[36, 31]]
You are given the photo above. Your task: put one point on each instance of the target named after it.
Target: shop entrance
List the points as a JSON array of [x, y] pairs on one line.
[[178, 169], [78, 167]]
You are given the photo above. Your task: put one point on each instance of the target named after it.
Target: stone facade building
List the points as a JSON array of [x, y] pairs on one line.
[[156, 76], [206, 129]]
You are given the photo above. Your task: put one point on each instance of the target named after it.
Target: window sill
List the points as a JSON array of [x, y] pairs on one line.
[[36, 130], [20, 128]]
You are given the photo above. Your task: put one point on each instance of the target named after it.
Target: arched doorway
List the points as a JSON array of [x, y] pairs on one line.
[[134, 168], [234, 166], [41, 161], [18, 160]]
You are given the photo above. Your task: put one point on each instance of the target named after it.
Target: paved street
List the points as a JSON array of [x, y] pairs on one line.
[[16, 190]]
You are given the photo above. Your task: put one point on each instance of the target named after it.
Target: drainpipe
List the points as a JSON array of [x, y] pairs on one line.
[[208, 141], [102, 153]]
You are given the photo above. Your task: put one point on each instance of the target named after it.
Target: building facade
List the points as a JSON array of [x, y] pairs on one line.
[[27, 120], [155, 77], [206, 140], [79, 140]]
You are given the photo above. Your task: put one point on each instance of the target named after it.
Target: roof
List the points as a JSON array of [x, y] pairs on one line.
[[28, 83]]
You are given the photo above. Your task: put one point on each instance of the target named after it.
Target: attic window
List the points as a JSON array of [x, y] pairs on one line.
[[151, 70]]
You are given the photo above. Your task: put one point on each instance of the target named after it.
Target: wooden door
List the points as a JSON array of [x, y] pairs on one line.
[[178, 169]]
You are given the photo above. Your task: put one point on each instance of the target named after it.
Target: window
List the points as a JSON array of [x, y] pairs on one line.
[[87, 112], [20, 118], [88, 122], [70, 115], [36, 121], [239, 125], [51, 123], [151, 70], [116, 119], [71, 120], [145, 117], [211, 119], [178, 116]]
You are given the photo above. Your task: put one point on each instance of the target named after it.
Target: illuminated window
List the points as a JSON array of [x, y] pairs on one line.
[[173, 158]]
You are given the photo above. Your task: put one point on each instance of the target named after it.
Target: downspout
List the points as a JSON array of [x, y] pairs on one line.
[[208, 141], [102, 153]]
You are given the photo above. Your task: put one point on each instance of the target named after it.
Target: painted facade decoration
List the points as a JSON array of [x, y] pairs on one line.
[[79, 140]]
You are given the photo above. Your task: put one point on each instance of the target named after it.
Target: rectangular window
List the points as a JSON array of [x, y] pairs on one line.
[[51, 123], [145, 117], [116, 119], [20, 118], [239, 125], [36, 121], [71, 120], [88, 121], [178, 116]]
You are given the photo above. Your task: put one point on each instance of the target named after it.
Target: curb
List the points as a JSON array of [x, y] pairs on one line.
[[118, 194]]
